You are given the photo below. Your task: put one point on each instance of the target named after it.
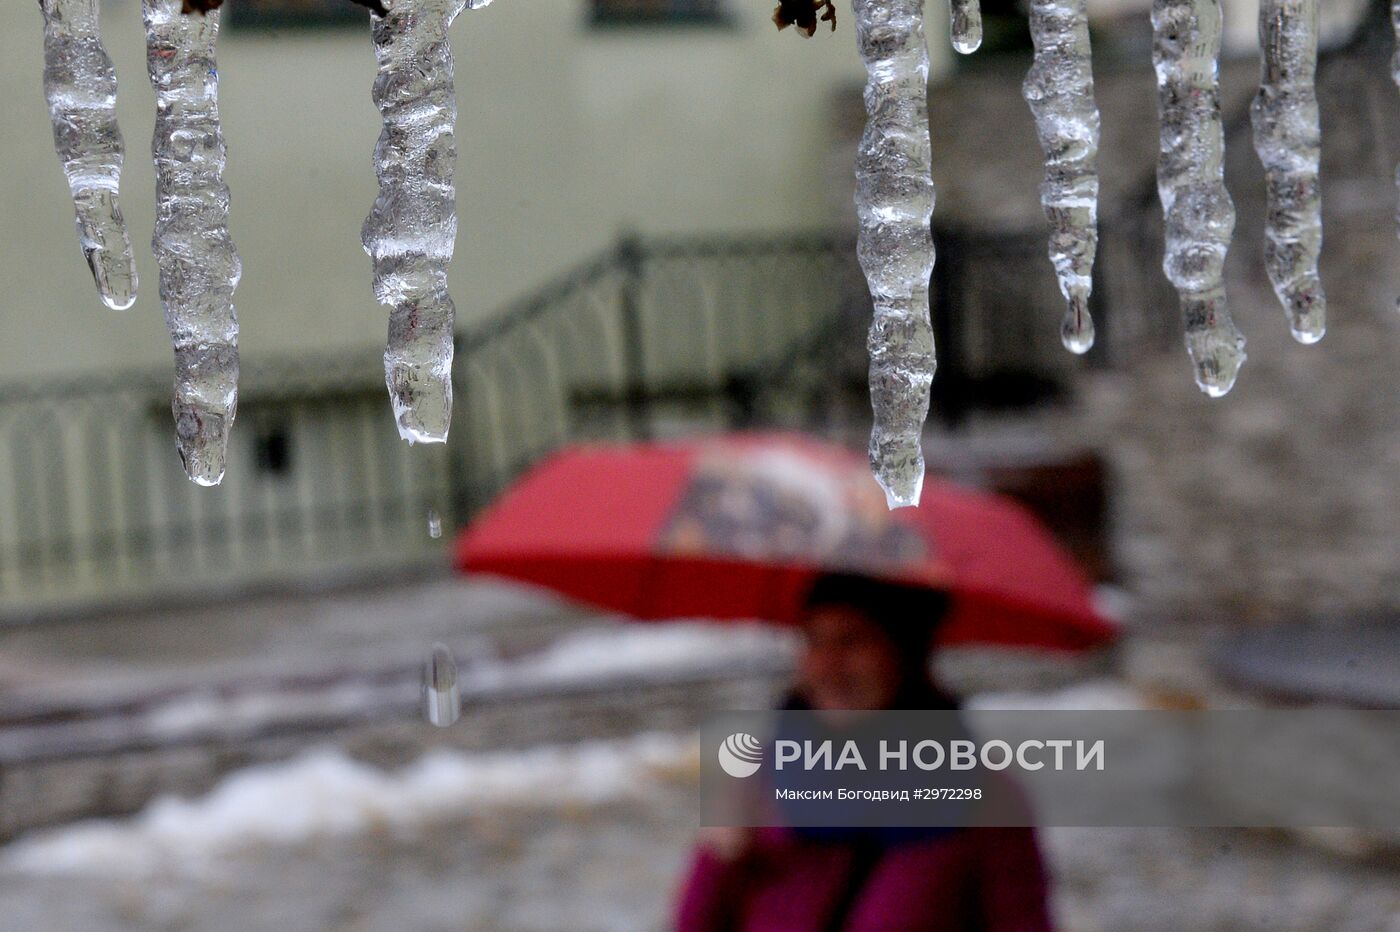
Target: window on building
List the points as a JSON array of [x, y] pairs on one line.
[[659, 13]]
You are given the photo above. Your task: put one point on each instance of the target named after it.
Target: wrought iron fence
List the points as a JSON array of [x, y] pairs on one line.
[[653, 338], [94, 506]]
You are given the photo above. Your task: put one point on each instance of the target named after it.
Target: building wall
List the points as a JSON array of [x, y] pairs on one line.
[[566, 135]]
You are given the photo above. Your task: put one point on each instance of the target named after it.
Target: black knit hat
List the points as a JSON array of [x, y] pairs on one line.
[[908, 615]]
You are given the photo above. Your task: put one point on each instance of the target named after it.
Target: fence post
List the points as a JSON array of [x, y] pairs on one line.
[[459, 471], [1099, 355], [950, 384], [630, 261]]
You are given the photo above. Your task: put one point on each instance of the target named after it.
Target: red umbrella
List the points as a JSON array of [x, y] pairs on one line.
[[739, 526]]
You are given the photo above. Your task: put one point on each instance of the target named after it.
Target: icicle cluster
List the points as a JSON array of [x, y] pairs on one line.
[[1289, 142], [199, 267], [966, 25], [81, 87], [894, 202], [1200, 217], [412, 229], [1060, 91]]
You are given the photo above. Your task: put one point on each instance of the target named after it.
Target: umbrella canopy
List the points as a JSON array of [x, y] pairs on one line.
[[739, 526]]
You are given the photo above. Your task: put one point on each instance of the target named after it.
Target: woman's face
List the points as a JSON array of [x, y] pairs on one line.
[[846, 662]]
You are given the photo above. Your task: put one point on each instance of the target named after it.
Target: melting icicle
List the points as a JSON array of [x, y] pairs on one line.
[[199, 267], [1060, 91], [81, 86], [966, 26], [1289, 142], [434, 524], [1395, 74], [1200, 217], [442, 701], [411, 230], [894, 202]]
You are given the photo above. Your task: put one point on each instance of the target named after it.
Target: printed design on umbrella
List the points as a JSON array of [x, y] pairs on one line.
[[787, 506]]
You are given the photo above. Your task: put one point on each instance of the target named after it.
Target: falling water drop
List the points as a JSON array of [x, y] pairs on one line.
[[1200, 217], [80, 85], [411, 231], [1289, 142], [894, 203], [434, 524], [966, 26], [199, 267], [1060, 91], [1077, 330], [442, 701]]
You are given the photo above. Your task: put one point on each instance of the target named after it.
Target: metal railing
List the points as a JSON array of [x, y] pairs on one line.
[[654, 338], [94, 505]]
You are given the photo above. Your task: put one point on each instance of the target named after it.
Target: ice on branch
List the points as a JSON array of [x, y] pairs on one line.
[[1060, 91], [199, 267], [81, 87], [411, 231], [1289, 142], [966, 25], [894, 203], [1200, 217]]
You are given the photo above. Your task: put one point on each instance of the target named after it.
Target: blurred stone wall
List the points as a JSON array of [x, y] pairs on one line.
[[1281, 500]]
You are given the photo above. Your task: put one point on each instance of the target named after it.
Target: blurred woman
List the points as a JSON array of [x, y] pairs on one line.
[[867, 646]]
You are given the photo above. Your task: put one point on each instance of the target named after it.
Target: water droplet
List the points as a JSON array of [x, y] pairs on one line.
[[442, 702], [1077, 332], [966, 28], [434, 524]]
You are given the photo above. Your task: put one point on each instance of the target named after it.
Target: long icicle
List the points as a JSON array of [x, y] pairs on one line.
[[1289, 142], [965, 26], [80, 84], [411, 231], [1395, 74], [894, 203], [1060, 91], [1200, 217], [199, 267]]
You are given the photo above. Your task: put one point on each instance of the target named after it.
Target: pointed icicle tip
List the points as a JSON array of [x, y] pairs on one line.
[[1216, 372], [201, 437], [904, 488], [965, 28], [1077, 330]]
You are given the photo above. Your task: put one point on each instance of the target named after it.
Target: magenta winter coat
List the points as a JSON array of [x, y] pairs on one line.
[[985, 879]]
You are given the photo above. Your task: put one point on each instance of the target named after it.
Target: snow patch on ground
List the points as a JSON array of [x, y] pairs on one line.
[[1093, 696], [325, 793], [637, 649]]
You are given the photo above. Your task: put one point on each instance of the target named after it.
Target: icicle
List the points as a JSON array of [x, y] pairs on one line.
[[966, 26], [1060, 91], [442, 700], [1289, 142], [199, 268], [81, 86], [1395, 74], [411, 231], [1200, 217], [894, 201]]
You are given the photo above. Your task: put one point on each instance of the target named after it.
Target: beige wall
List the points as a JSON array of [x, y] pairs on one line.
[[566, 134]]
